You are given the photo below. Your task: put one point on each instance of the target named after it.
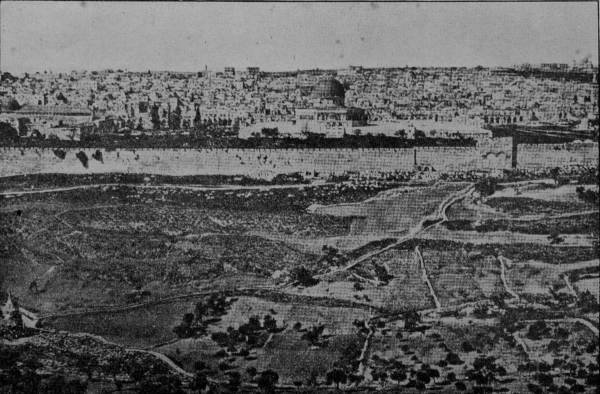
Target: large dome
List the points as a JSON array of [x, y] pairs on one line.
[[329, 88]]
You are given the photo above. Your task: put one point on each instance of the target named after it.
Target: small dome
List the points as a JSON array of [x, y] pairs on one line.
[[329, 88]]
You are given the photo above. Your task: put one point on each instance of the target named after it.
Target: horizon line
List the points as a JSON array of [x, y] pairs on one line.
[[200, 69]]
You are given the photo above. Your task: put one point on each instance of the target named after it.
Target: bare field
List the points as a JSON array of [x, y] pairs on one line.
[[458, 277], [393, 210], [140, 327], [295, 360]]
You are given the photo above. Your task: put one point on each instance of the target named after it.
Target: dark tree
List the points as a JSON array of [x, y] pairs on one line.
[[303, 276], [200, 382], [538, 330], [534, 388], [312, 335], [467, 347], [8, 357], [269, 132], [8, 133], [270, 324], [423, 376], [419, 135], [155, 117], [587, 302], [13, 105], [234, 382], [57, 384], [453, 359], [486, 186], [87, 363], [82, 158], [555, 174], [398, 375], [411, 319], [337, 376], [136, 371], [555, 238], [113, 367], [267, 381], [161, 384], [251, 371], [175, 119], [298, 384]]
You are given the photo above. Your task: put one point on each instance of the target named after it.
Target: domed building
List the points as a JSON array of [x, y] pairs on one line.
[[329, 91], [327, 114]]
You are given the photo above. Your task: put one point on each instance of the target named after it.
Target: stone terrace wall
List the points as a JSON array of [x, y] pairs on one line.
[[539, 156]]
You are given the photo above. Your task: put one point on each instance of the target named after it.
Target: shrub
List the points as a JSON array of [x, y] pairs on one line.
[[267, 381], [467, 347], [538, 330], [337, 376], [82, 158], [303, 276], [453, 359], [486, 186]]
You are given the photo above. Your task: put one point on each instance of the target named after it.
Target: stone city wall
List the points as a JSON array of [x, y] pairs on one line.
[[256, 163], [267, 163], [539, 156]]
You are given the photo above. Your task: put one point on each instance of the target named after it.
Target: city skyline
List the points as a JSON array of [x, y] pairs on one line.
[[285, 37]]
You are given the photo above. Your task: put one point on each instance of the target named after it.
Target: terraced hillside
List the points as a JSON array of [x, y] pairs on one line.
[[370, 287]]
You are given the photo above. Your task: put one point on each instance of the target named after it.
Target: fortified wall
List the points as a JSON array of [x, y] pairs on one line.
[[493, 154], [539, 156]]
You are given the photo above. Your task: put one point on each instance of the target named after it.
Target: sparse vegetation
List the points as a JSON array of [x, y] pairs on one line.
[[279, 315]]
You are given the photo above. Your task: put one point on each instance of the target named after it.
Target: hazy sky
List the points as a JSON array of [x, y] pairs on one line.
[[186, 36]]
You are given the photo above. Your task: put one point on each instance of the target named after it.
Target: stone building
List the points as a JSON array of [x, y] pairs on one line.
[[327, 114]]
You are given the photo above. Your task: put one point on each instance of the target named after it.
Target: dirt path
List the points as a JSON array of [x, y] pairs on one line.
[[364, 354], [269, 339], [588, 324], [501, 259], [563, 268], [529, 182], [436, 302], [258, 292], [17, 193], [569, 286], [522, 344]]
